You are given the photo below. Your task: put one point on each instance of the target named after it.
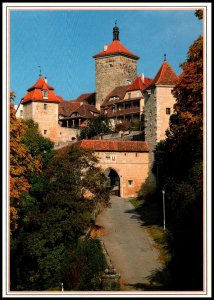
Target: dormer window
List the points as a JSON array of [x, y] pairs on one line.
[[45, 94]]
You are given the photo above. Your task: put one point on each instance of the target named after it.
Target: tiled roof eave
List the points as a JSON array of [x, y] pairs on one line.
[[76, 117], [118, 150], [116, 53], [154, 85], [165, 84], [110, 103], [40, 100], [113, 145]]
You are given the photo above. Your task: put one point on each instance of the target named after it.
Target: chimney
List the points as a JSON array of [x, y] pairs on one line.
[[105, 47], [46, 80], [142, 77]]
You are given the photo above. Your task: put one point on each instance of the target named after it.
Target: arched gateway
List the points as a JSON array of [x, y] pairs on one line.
[[126, 163], [114, 181]]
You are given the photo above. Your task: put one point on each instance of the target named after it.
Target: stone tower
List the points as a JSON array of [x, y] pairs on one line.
[[159, 103], [115, 66], [41, 104]]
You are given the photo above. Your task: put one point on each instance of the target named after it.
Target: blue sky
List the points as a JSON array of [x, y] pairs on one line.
[[63, 42]]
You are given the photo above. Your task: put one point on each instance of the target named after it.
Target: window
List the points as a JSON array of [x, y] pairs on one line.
[[129, 95], [21, 113], [168, 110], [45, 131], [45, 106], [45, 94], [138, 94], [130, 182]]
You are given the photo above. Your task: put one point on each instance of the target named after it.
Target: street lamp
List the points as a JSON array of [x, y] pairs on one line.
[[62, 287], [164, 221]]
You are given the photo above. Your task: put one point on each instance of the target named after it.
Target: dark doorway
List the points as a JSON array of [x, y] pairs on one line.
[[114, 182]]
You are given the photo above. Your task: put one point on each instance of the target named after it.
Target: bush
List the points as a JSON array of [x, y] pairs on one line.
[[86, 267]]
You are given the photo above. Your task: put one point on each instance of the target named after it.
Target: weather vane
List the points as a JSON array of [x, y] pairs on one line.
[[40, 72]]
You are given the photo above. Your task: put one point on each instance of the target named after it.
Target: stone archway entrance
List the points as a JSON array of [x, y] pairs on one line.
[[114, 181]]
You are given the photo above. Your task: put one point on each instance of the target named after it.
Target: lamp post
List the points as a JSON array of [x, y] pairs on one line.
[[164, 221], [62, 287]]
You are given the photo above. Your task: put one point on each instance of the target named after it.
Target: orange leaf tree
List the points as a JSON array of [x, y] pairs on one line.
[[22, 164]]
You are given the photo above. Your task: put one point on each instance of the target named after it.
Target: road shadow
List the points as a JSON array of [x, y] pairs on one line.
[[157, 281], [149, 214]]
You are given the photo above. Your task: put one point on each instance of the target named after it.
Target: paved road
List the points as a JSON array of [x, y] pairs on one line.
[[130, 248]]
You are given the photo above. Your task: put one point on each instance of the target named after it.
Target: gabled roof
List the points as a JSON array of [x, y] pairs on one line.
[[138, 84], [165, 76], [88, 98], [66, 108], [113, 145], [118, 91], [85, 110], [116, 48], [41, 84], [35, 93]]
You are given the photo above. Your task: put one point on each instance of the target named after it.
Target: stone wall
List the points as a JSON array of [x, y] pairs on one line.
[[46, 118], [165, 101], [156, 118], [112, 72], [67, 134], [132, 168], [150, 112]]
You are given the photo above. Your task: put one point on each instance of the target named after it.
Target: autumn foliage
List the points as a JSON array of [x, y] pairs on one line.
[[178, 168], [22, 165]]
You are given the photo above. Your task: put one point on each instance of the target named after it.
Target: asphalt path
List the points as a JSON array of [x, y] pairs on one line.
[[128, 245]]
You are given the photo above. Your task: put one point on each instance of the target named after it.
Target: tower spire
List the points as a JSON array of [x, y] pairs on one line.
[[164, 56], [116, 32]]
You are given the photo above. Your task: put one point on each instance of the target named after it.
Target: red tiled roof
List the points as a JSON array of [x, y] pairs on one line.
[[88, 98], [112, 145], [165, 75], [85, 110], [34, 93], [138, 84], [66, 108], [41, 84], [116, 47], [119, 91]]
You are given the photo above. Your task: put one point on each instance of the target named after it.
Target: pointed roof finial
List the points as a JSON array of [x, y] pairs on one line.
[[40, 72], [164, 56], [116, 32]]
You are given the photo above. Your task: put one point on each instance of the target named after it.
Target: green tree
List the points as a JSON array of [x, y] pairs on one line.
[[73, 189], [95, 126], [38, 145]]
